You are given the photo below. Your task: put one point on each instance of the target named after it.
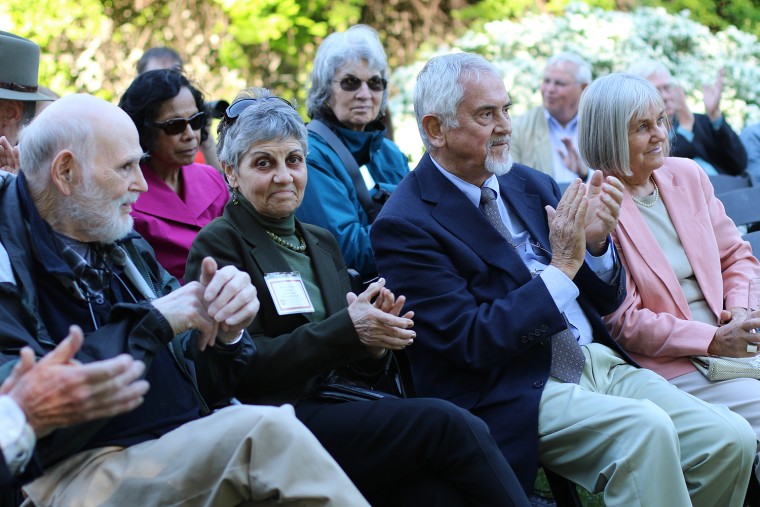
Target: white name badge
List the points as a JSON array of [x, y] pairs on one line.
[[288, 293], [367, 177]]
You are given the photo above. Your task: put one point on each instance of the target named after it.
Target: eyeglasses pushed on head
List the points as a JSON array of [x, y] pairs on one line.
[[178, 125], [353, 83]]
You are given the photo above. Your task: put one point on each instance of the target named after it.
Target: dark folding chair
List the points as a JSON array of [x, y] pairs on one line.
[[725, 182], [742, 205], [564, 491]]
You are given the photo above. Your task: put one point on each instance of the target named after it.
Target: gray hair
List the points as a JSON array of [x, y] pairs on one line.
[[359, 42], [645, 68], [583, 68], [43, 139], [268, 118], [439, 89], [607, 107]]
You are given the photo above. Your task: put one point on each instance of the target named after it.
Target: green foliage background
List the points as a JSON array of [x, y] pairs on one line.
[[92, 45]]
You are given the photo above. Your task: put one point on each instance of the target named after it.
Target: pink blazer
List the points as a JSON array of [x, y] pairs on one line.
[[654, 322], [170, 222]]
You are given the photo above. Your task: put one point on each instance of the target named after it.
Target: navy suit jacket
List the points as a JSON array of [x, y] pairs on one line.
[[483, 323]]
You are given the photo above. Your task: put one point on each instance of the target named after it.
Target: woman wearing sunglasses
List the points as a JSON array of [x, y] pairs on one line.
[[182, 195], [348, 93]]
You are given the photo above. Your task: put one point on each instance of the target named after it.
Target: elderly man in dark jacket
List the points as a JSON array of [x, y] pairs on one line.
[[74, 259]]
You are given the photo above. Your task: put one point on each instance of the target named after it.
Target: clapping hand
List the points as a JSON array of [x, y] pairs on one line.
[[377, 323]]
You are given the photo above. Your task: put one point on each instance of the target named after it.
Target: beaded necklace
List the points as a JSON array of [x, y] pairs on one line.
[[651, 199], [301, 247]]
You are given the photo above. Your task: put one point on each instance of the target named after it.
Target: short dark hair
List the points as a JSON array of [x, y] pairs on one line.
[[159, 53], [145, 95]]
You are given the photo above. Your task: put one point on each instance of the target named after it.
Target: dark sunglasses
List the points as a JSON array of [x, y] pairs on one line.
[[241, 105], [353, 83], [237, 107], [178, 125]]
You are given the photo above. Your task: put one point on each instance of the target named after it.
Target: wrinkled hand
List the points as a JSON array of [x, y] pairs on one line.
[[9, 158], [572, 159], [231, 298], [566, 229], [712, 95], [605, 195], [220, 305], [58, 391], [733, 336], [377, 324]]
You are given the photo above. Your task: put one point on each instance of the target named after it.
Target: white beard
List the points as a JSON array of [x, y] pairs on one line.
[[101, 215], [497, 167]]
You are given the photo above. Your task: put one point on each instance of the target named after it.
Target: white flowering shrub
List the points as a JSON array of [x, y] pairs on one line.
[[610, 41]]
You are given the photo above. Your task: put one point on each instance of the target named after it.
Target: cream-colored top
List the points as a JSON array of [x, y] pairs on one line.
[[658, 220]]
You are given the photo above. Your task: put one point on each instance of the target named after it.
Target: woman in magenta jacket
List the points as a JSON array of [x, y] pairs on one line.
[[182, 195]]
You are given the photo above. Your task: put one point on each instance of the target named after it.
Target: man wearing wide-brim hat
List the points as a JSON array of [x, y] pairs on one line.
[[19, 66]]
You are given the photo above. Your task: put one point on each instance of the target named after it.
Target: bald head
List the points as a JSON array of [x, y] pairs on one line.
[[82, 124], [81, 157]]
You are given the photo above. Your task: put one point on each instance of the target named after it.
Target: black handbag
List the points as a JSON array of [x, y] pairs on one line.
[[394, 383]]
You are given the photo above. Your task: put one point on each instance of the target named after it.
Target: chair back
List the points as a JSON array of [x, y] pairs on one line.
[[725, 182], [742, 205]]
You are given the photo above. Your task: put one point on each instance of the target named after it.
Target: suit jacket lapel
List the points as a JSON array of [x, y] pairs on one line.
[[643, 242], [541, 142], [454, 212], [682, 210], [263, 251], [526, 206], [324, 271]]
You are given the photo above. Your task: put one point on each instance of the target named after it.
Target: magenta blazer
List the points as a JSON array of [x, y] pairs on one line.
[[169, 221], [654, 322]]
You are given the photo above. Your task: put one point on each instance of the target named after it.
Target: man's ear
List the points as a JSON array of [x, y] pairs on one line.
[[230, 173], [11, 111], [65, 172], [434, 131]]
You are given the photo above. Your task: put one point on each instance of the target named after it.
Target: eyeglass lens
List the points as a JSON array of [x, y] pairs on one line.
[[178, 125], [353, 83]]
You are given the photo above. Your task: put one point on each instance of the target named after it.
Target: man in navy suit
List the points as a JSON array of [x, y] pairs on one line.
[[495, 289]]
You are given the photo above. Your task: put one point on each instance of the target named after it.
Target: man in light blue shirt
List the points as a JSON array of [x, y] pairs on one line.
[[546, 138]]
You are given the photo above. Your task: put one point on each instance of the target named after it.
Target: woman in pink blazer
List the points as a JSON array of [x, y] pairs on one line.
[[687, 268], [182, 195]]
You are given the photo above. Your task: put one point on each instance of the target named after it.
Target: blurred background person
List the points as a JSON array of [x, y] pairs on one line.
[[324, 331], [353, 167], [546, 137], [687, 269], [182, 195], [19, 93], [750, 138], [159, 57], [705, 138]]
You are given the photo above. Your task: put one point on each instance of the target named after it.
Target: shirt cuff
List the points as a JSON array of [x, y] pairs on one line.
[[17, 438], [686, 134], [716, 124], [604, 265], [561, 288], [233, 342]]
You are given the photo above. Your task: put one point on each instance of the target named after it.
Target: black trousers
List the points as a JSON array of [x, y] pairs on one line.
[[414, 452]]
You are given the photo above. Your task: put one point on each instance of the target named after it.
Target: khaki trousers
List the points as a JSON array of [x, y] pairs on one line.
[[240, 455], [740, 395], [628, 432]]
